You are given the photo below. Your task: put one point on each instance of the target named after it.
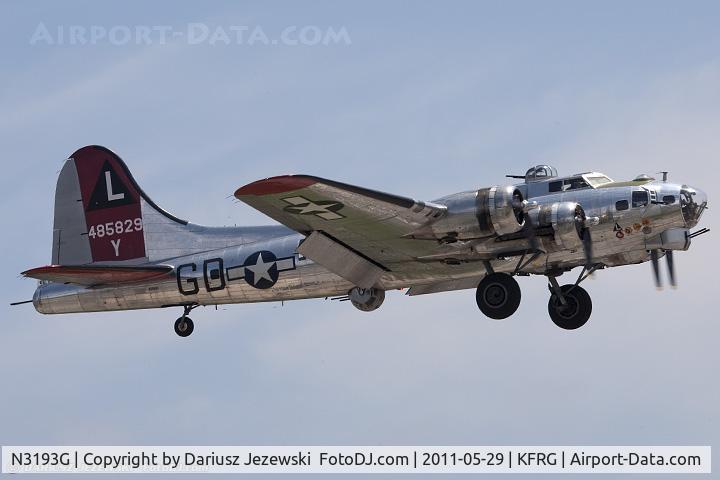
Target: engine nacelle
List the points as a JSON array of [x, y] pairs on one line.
[[566, 219], [503, 209], [490, 211]]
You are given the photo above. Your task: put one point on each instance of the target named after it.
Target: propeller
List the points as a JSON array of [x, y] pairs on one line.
[[531, 235], [655, 259], [655, 267], [671, 267], [522, 207], [581, 225], [587, 245]]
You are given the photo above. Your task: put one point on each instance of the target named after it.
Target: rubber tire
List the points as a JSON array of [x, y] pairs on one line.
[[374, 299], [498, 296], [579, 302], [189, 327]]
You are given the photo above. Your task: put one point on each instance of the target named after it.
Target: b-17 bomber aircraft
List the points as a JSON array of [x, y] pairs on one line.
[[115, 249]]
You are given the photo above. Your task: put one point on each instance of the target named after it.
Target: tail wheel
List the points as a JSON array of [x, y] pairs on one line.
[[498, 295], [576, 311], [184, 326]]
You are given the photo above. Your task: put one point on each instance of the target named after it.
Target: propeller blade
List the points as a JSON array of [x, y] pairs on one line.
[[524, 207], [532, 237], [587, 246], [656, 268], [584, 233], [671, 267]]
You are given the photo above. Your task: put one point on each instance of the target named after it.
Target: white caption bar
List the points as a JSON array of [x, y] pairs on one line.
[[358, 459]]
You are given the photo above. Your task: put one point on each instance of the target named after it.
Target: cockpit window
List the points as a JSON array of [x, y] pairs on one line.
[[639, 198], [555, 186], [573, 183], [597, 180]]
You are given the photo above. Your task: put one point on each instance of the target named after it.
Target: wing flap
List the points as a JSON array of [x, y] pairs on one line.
[[341, 260], [87, 275], [445, 286]]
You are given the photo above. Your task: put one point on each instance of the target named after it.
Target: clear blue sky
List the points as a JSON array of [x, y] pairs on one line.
[[425, 99]]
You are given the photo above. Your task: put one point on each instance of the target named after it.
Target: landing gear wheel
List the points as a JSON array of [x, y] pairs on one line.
[[184, 326], [498, 295], [577, 310], [366, 299]]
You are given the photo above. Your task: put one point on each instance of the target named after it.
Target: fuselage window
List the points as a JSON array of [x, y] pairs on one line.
[[621, 205], [556, 186], [639, 199], [669, 199]]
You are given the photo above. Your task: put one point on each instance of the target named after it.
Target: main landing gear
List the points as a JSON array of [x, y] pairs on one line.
[[184, 325], [569, 306], [498, 296]]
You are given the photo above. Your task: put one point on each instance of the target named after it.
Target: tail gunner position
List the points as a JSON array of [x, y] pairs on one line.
[[115, 249]]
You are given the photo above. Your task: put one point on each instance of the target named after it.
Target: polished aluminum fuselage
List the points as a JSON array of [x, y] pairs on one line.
[[306, 280], [217, 271]]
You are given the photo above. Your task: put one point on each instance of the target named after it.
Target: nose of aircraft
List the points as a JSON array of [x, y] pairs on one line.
[[693, 202]]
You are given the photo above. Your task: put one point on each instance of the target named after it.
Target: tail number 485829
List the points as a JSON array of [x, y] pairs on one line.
[[117, 227]]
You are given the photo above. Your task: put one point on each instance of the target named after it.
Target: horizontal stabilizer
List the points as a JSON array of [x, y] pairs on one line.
[[88, 275]]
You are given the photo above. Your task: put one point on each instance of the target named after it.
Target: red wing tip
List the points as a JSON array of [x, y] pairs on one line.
[[96, 268], [45, 269], [273, 185], [97, 274]]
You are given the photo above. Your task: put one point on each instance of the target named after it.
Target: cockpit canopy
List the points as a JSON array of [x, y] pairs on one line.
[[596, 179], [539, 173]]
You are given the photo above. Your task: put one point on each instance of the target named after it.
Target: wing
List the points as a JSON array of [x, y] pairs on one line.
[[98, 275], [355, 232]]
